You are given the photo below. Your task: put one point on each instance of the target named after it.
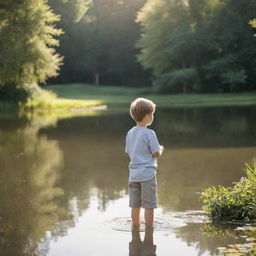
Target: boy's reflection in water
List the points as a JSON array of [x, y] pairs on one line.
[[139, 248]]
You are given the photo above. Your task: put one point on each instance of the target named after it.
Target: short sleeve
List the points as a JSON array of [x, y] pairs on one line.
[[153, 143], [126, 144]]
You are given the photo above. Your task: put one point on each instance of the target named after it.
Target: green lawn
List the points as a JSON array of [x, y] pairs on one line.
[[111, 95], [83, 96], [45, 100]]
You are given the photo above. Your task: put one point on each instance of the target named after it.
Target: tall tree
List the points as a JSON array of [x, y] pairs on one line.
[[198, 45], [232, 65], [99, 48], [27, 56], [169, 42]]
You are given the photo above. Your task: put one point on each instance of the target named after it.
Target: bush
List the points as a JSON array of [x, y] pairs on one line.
[[184, 80], [233, 204]]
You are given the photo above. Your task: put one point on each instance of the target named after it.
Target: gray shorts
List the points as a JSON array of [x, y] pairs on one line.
[[143, 194]]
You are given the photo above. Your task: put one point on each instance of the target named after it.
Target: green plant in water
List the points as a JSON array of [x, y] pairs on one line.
[[235, 204]]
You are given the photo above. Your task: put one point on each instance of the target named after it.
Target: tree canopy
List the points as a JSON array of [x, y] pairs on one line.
[[27, 53], [198, 45], [99, 47], [180, 45]]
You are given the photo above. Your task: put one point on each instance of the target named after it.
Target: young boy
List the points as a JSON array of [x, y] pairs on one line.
[[143, 149]]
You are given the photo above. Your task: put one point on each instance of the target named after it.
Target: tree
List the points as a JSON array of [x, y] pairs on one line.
[[233, 61], [198, 45], [169, 41], [27, 56], [99, 47]]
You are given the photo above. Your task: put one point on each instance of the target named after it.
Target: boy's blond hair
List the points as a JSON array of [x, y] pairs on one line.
[[141, 107]]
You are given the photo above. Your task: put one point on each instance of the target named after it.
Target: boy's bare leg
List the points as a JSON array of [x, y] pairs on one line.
[[136, 216], [149, 217]]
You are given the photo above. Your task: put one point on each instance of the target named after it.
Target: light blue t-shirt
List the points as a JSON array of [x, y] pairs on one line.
[[141, 143]]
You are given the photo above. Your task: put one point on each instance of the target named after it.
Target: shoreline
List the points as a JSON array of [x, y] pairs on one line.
[[82, 97]]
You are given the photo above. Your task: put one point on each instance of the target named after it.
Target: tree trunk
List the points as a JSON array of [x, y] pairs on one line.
[[97, 78], [184, 88]]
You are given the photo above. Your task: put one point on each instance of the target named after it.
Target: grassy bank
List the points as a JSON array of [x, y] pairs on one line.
[[82, 96], [122, 95], [46, 100]]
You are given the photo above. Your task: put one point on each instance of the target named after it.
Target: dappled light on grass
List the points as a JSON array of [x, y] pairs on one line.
[[60, 104], [44, 100]]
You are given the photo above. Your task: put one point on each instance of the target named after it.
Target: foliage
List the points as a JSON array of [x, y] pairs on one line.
[[233, 204], [185, 46], [99, 46], [173, 81], [210, 36], [27, 55]]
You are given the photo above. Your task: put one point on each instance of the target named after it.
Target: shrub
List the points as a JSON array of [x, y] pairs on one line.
[[237, 203], [177, 81]]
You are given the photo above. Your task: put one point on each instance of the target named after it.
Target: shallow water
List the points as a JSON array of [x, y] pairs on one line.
[[63, 181]]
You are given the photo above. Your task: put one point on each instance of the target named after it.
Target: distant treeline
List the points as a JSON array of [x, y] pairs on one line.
[[185, 45], [98, 43], [175, 45]]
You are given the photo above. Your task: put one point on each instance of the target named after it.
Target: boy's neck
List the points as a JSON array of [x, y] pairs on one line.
[[141, 124]]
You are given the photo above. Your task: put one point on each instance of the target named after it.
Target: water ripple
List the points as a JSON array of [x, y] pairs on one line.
[[162, 222]]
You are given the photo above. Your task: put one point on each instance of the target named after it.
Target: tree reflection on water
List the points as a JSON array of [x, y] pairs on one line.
[[30, 199]]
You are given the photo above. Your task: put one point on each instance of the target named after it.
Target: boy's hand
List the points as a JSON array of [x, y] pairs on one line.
[[158, 154]]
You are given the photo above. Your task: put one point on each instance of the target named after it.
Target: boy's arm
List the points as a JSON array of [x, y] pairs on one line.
[[159, 153], [154, 146]]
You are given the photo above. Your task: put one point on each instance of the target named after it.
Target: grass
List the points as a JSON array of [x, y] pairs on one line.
[[84, 96], [106, 94], [45, 100], [110, 95], [60, 103]]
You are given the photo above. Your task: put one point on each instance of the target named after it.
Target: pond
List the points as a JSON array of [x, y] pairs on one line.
[[63, 181]]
